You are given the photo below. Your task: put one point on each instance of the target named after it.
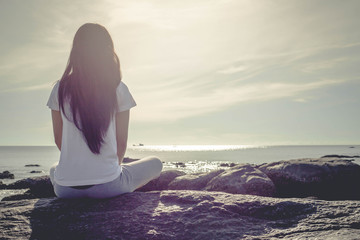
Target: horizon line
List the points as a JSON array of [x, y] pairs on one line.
[[249, 145]]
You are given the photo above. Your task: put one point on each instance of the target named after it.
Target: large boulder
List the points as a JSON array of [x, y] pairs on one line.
[[39, 187], [242, 179], [325, 178], [195, 181], [162, 182], [180, 215]]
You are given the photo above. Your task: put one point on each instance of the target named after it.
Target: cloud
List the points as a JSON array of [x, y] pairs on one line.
[[232, 70], [321, 65], [30, 88], [160, 14], [301, 100], [173, 104]]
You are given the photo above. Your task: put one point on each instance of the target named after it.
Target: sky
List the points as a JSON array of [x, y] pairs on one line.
[[240, 72]]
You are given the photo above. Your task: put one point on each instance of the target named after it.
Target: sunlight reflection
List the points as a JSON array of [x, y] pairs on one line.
[[184, 148]]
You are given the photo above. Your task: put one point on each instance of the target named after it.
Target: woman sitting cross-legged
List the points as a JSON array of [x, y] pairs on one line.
[[90, 114]]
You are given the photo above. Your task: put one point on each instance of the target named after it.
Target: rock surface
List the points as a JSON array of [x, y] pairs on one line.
[[325, 178], [162, 182], [185, 214], [197, 181], [180, 215], [242, 179], [39, 187]]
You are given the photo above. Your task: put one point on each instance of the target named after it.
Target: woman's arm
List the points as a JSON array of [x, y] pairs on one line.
[[122, 126], [57, 127]]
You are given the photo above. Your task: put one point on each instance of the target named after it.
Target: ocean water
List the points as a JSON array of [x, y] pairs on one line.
[[196, 158]]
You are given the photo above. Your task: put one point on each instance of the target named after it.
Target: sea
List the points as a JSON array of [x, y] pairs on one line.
[[187, 158]]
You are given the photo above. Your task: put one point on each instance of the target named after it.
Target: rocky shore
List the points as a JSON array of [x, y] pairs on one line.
[[295, 199]]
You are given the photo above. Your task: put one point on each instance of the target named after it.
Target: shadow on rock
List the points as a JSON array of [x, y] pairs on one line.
[[163, 215], [122, 217], [180, 214]]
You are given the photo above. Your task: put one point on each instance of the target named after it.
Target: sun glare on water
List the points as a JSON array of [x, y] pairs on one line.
[[184, 148]]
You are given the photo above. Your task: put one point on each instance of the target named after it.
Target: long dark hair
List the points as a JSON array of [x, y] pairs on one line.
[[89, 83]]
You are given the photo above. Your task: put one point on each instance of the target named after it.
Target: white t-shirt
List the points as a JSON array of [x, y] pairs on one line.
[[78, 165]]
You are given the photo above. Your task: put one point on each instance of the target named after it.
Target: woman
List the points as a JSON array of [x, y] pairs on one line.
[[90, 114]]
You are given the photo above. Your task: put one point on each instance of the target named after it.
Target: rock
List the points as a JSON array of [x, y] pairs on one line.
[[340, 156], [193, 181], [227, 165], [29, 182], [6, 174], [162, 181], [25, 195], [242, 179], [179, 164], [325, 178], [180, 215], [34, 171], [39, 186], [32, 165]]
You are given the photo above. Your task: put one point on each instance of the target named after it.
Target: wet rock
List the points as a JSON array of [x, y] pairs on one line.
[[180, 215], [193, 181], [6, 174], [32, 165], [162, 182], [242, 179], [325, 178]]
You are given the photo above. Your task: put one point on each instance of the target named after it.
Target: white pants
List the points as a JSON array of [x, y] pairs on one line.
[[133, 176]]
